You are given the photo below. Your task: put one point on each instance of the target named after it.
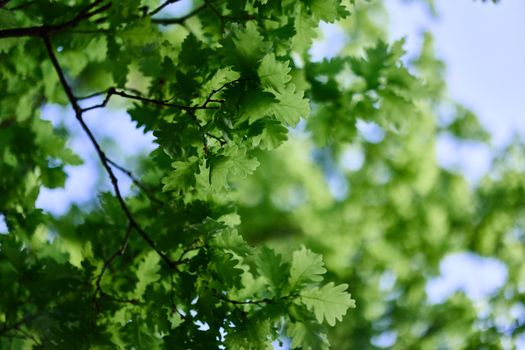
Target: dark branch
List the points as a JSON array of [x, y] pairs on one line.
[[102, 156], [107, 263], [222, 142], [136, 181], [166, 103], [161, 7], [47, 30], [215, 91], [195, 245], [245, 302], [6, 328], [108, 93], [95, 94], [163, 103], [224, 18], [180, 20]]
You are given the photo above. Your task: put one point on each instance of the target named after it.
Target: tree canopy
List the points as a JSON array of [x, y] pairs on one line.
[[232, 237]]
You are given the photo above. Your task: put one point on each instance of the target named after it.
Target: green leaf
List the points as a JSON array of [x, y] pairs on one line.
[[271, 266], [245, 47], [53, 177], [307, 267], [227, 269], [183, 177], [251, 334], [147, 273], [328, 10], [273, 134], [329, 303], [306, 30], [230, 240], [7, 18], [292, 106], [231, 164], [137, 334], [256, 105], [274, 75], [308, 336]]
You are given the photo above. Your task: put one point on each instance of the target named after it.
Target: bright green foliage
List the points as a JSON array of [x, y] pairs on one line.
[[306, 267], [273, 74], [328, 303], [232, 238], [305, 335]]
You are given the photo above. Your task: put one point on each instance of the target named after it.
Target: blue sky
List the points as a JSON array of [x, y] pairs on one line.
[[484, 49]]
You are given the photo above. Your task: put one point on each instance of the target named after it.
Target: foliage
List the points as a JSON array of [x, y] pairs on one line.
[[232, 238]]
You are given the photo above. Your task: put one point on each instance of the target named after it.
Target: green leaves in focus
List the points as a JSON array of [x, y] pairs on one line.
[[307, 267], [274, 75], [329, 303]]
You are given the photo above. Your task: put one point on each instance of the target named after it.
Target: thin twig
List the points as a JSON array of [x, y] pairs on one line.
[[102, 156], [163, 103], [162, 6], [109, 261], [219, 89], [193, 246], [179, 20], [245, 302], [136, 181], [218, 139], [29, 336], [9, 327], [190, 110], [95, 94]]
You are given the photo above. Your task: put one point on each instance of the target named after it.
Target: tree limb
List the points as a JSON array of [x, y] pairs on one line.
[[180, 20], [136, 181], [47, 30], [162, 6], [102, 156]]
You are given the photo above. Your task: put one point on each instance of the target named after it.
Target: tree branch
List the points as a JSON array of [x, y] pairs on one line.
[[102, 156], [180, 20], [9, 327], [136, 181], [47, 30], [245, 302], [215, 91], [162, 6], [163, 103], [108, 262]]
